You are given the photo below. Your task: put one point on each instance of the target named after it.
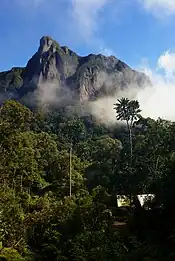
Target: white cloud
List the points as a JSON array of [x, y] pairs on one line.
[[155, 101], [166, 7], [167, 62], [87, 21], [106, 51], [86, 15], [159, 100]]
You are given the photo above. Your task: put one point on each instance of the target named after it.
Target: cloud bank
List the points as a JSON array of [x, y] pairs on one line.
[[157, 101]]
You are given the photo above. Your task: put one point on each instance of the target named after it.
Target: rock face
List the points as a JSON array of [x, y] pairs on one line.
[[86, 78]]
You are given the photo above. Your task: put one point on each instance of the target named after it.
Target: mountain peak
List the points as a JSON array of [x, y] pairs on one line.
[[47, 43], [82, 77]]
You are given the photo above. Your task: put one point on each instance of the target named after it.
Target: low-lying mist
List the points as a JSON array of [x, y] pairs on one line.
[[155, 101]]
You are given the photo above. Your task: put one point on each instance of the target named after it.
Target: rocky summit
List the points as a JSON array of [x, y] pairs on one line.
[[85, 78]]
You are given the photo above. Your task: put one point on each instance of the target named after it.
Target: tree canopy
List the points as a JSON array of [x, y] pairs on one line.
[[38, 218]]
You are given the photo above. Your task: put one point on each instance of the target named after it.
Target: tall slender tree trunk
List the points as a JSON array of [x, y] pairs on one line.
[[131, 153], [130, 143], [129, 126]]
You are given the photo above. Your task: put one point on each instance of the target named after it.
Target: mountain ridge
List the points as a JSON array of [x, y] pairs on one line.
[[85, 77]]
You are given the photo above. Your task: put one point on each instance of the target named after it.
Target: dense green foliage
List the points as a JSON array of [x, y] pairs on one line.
[[40, 221], [11, 79]]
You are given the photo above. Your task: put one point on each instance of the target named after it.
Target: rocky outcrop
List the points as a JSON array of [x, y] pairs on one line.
[[50, 63], [85, 77]]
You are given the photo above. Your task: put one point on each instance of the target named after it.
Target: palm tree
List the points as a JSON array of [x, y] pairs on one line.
[[128, 111]]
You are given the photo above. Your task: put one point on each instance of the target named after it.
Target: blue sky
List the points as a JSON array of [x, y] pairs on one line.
[[132, 30]]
